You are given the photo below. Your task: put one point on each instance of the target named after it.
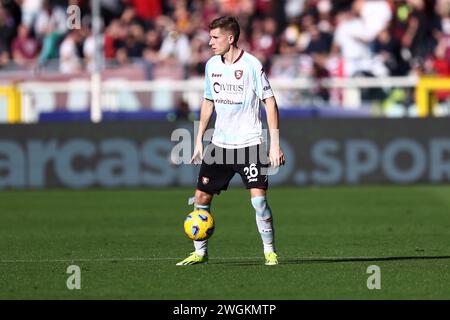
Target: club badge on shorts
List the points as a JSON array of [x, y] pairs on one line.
[[238, 74], [205, 180]]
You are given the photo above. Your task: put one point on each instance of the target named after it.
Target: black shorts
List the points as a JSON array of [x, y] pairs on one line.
[[219, 166]]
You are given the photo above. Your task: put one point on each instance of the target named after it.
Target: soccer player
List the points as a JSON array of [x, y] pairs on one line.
[[235, 85]]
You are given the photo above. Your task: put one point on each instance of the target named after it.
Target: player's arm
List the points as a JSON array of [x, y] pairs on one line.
[[206, 111], [276, 154]]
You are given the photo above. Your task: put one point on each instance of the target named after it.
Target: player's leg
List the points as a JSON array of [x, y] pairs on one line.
[[202, 202], [264, 222], [200, 255], [254, 174], [212, 179]]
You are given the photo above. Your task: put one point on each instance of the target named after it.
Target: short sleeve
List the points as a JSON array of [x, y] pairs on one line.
[[261, 83], [208, 93]]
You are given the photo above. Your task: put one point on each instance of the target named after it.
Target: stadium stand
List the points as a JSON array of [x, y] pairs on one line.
[[313, 39]]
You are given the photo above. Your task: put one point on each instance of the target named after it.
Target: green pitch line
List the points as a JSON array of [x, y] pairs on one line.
[[126, 244]]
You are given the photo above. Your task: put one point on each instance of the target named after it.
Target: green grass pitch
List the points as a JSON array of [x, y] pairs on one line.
[[126, 243]]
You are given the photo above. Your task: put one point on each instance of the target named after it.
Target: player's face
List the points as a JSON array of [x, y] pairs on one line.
[[220, 41]]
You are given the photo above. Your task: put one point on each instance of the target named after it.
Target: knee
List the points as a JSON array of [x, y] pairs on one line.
[[202, 198], [260, 205]]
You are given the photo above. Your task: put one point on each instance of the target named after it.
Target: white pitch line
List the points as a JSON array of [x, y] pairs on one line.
[[310, 258], [114, 259]]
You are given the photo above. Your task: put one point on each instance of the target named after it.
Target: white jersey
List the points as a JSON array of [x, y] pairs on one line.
[[237, 91]]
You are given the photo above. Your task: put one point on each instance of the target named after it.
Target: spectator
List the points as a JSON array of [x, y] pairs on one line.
[[4, 55], [151, 52], [127, 38], [49, 27], [153, 40], [307, 22], [388, 49], [200, 53], [399, 24], [294, 8], [269, 43], [438, 64], [341, 6], [320, 72], [50, 19], [176, 48], [129, 16], [376, 15], [351, 41], [182, 17], [111, 10], [441, 22], [146, 9], [289, 40], [371, 36], [237, 8], [196, 23], [15, 12], [115, 35], [134, 43], [325, 23], [69, 59], [25, 48], [418, 37], [7, 30], [89, 48], [50, 47], [320, 42], [263, 41], [210, 10]]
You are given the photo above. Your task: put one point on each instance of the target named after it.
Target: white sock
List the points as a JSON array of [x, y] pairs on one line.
[[201, 247], [264, 223]]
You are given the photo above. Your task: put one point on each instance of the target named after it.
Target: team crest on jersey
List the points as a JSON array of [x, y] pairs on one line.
[[205, 180], [238, 74]]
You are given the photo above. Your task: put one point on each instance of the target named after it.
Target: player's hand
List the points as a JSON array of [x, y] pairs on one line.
[[276, 156], [197, 157]]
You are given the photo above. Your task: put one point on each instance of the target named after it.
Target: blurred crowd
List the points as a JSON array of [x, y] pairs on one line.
[[318, 38]]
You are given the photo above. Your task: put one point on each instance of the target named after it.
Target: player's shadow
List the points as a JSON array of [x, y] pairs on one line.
[[253, 262]]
